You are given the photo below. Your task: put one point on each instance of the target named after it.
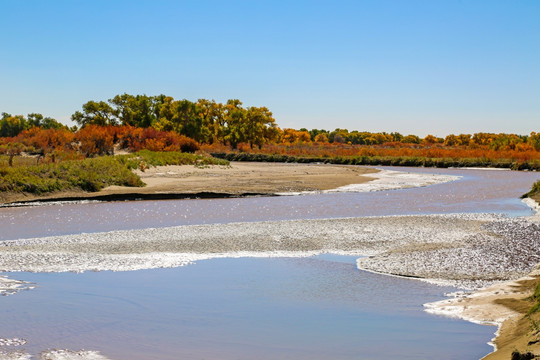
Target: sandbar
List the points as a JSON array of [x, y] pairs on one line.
[[238, 179]]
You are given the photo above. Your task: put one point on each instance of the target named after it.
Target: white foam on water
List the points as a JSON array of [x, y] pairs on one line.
[[10, 354], [48, 203], [392, 180], [483, 168], [386, 180], [53, 355], [12, 342], [532, 204], [72, 355], [386, 239], [10, 286], [14, 355], [7, 353], [182, 245], [426, 242]]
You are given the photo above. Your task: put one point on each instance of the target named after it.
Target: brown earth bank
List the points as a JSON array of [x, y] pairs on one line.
[[238, 179], [511, 301], [520, 332]]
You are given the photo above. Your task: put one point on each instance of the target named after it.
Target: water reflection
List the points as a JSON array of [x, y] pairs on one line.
[[313, 308]]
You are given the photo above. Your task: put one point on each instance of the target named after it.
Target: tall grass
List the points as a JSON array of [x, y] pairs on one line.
[[153, 158], [88, 175], [91, 174], [536, 298], [534, 191]]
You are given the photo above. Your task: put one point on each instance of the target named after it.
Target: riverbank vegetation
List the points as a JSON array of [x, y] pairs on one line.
[[535, 191], [161, 123], [88, 174], [46, 155]]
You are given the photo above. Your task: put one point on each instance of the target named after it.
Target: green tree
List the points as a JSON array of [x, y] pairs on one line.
[[534, 140], [235, 121], [140, 110], [96, 113], [451, 140], [338, 135], [258, 125], [411, 139], [12, 125], [186, 119], [38, 120], [213, 121]]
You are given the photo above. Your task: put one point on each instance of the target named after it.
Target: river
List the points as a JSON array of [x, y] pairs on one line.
[[312, 307]]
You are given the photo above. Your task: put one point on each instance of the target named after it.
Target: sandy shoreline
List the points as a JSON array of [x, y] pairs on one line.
[[503, 304], [241, 180], [238, 179]]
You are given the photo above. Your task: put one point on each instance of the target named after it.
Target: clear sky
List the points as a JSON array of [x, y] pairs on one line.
[[433, 66]]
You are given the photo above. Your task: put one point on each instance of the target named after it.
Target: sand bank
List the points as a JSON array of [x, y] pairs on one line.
[[387, 180], [238, 179], [503, 304], [246, 179]]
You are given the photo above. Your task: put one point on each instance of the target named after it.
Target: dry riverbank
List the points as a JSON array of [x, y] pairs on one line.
[[505, 305], [238, 179]]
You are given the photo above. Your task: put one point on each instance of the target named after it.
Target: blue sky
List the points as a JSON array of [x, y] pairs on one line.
[[419, 67]]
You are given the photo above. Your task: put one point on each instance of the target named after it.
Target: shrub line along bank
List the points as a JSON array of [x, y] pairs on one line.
[[384, 161]]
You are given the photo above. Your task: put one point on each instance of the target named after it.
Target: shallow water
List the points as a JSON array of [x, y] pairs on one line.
[[298, 308], [311, 308], [491, 191]]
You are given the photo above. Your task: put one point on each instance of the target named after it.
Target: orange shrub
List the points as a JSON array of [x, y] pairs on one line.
[[47, 140], [95, 140], [136, 139]]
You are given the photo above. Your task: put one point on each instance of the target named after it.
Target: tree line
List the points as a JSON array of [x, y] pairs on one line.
[[343, 136], [231, 124], [205, 121]]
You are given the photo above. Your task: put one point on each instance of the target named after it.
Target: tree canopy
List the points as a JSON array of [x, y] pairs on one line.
[[232, 124], [204, 120]]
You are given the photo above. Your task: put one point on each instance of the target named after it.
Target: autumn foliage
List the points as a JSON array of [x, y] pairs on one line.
[[135, 139], [160, 123]]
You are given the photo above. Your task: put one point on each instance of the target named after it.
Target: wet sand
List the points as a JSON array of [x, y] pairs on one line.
[[504, 305]]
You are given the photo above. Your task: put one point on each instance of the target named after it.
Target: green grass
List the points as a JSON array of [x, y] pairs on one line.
[[90, 174], [152, 158], [536, 297], [534, 191]]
